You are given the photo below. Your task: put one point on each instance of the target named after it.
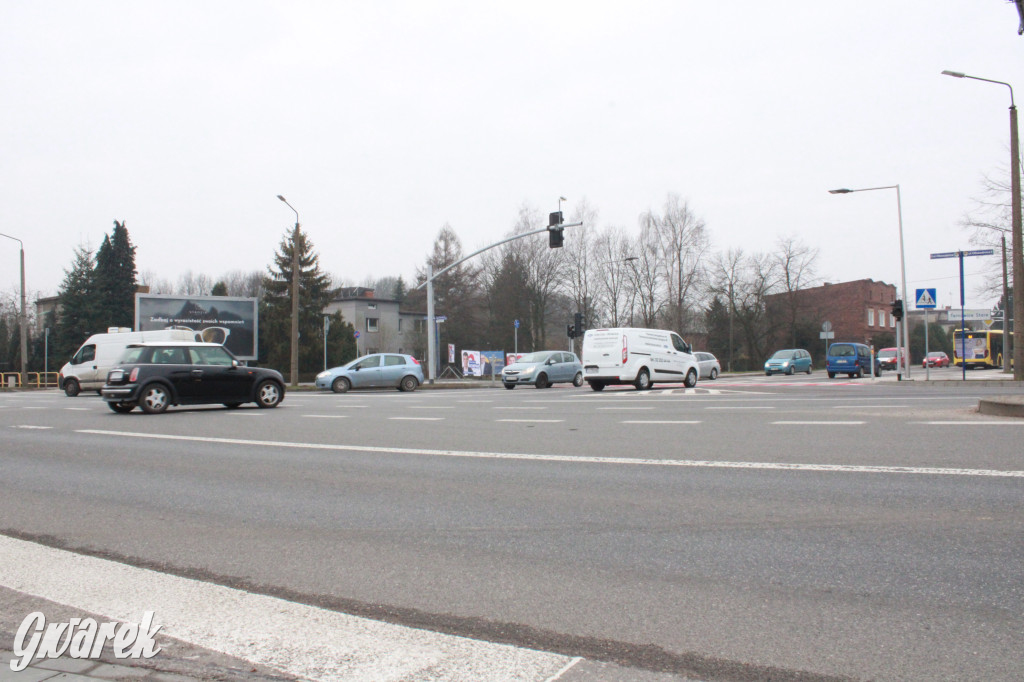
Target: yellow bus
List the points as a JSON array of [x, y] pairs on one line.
[[981, 348]]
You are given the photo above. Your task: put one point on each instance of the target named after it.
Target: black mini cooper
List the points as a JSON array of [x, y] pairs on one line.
[[154, 376]]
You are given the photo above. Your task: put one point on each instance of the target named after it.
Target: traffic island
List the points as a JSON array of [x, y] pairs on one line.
[[1002, 406]]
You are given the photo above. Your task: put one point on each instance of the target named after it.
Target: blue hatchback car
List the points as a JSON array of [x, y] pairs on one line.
[[853, 359], [379, 370], [788, 361]]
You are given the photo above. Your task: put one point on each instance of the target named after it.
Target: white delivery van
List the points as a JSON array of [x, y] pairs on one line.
[[641, 357], [87, 369]]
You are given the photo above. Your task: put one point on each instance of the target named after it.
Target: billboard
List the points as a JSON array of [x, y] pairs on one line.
[[231, 321]]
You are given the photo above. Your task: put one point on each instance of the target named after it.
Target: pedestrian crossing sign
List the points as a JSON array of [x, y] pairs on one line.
[[925, 298]]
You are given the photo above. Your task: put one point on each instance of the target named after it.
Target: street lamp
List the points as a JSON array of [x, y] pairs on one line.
[[294, 379], [1018, 236], [23, 325], [903, 274]]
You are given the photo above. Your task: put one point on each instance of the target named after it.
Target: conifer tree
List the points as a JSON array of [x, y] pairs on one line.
[[79, 309], [116, 278]]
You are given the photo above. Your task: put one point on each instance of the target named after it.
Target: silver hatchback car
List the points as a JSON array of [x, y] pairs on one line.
[[542, 369], [379, 370]]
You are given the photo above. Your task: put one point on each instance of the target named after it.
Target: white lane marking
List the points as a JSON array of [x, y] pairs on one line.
[[978, 423], [742, 407], [308, 642], [417, 419], [326, 416], [77, 409], [474, 401], [37, 407], [868, 407], [30, 426], [817, 423], [623, 407], [518, 407], [431, 407], [582, 459], [659, 421], [531, 421]]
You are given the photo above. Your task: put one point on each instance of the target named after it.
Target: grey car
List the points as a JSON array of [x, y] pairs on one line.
[[379, 370], [542, 369], [709, 365]]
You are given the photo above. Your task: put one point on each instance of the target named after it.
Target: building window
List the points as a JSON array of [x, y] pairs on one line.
[[371, 306], [892, 320], [420, 325], [371, 324], [871, 317]]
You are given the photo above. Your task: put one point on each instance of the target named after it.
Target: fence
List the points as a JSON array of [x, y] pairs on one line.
[[35, 379]]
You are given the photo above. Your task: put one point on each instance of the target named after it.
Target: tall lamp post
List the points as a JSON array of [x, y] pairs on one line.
[[294, 379], [23, 323], [1018, 237], [903, 272]]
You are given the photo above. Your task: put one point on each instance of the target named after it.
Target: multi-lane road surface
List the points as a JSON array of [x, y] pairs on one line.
[[751, 528]]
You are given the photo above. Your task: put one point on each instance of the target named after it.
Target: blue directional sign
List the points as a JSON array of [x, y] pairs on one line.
[[957, 254], [517, 324], [924, 299]]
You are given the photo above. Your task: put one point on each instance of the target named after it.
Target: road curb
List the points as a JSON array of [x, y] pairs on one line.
[[1002, 406]]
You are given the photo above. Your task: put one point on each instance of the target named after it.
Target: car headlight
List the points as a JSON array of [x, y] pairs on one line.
[[785, 363], [323, 375], [528, 370]]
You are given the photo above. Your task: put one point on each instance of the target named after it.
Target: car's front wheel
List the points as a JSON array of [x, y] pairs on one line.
[[340, 385], [268, 394], [510, 386], [691, 379], [155, 399], [71, 388], [542, 381], [790, 371], [121, 408]]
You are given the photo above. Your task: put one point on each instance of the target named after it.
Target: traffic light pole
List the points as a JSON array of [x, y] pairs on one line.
[[431, 276]]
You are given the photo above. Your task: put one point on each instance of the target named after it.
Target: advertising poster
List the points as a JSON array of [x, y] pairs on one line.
[[493, 361], [451, 352], [511, 358], [231, 321], [471, 363]]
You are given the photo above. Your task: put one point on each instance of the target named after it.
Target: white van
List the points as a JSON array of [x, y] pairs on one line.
[[87, 369], [641, 357]]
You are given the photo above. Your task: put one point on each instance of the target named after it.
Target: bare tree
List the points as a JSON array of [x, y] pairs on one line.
[[578, 262], [680, 239], [543, 266], [193, 284], [614, 256], [795, 269], [648, 272], [727, 271], [246, 284]]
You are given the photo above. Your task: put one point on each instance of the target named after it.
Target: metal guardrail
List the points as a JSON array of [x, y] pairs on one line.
[[35, 379]]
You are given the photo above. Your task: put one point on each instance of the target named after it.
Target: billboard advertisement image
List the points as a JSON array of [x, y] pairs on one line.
[[233, 322]]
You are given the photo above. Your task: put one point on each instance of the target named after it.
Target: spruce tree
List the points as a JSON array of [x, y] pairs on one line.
[[116, 278], [276, 307], [79, 310]]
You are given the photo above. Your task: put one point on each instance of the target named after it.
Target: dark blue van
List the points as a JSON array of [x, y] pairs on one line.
[[853, 359]]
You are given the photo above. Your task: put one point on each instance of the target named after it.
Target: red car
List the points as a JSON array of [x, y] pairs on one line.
[[936, 359]]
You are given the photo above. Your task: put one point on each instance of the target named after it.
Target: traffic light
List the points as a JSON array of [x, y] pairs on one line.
[[555, 238], [578, 324], [570, 331], [897, 309]]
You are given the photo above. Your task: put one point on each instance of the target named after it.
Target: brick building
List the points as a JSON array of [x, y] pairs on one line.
[[857, 310]]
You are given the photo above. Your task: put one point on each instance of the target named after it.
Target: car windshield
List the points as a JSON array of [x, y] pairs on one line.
[[533, 357], [936, 355], [782, 355]]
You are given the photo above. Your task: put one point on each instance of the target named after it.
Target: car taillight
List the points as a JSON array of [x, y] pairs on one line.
[[625, 349], [134, 375], [416, 361]]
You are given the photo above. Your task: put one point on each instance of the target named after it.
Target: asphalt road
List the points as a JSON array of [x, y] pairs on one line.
[[751, 528]]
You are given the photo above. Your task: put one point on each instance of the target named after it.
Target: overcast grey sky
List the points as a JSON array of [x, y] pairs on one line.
[[382, 121]]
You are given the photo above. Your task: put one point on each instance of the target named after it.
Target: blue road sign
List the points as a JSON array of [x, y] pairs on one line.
[[924, 299], [957, 254], [948, 254], [517, 324]]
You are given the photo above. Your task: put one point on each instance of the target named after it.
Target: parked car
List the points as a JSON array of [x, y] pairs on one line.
[[709, 365], [850, 358], [788, 361], [378, 370], [542, 369], [641, 357], [936, 358], [887, 358], [154, 376]]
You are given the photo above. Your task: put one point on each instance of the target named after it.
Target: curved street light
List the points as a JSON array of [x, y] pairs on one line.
[[23, 325], [1017, 229], [903, 273]]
